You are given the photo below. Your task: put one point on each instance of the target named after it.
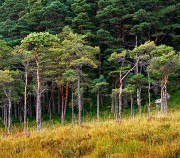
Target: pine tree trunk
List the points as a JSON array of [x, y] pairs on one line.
[[9, 114], [149, 94], [66, 100], [162, 99], [59, 102], [132, 107], [164, 104], [38, 97], [72, 108], [138, 92], [49, 105], [62, 103], [139, 100], [98, 105], [79, 98], [25, 102], [5, 116], [116, 107], [120, 97], [120, 102], [38, 100]]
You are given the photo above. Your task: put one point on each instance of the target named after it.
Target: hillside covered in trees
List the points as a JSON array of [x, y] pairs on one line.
[[69, 61]]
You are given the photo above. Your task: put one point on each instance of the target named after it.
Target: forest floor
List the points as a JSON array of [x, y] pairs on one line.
[[157, 136]]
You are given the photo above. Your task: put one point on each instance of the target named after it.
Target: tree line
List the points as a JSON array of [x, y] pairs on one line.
[[112, 49]]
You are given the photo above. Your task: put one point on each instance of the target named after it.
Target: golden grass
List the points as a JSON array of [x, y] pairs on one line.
[[142, 137]]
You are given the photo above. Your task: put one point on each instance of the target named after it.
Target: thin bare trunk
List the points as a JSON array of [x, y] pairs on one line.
[[62, 103], [9, 114], [79, 98], [132, 107], [149, 94], [139, 100], [66, 100], [164, 104], [98, 105], [38, 98], [59, 102], [5, 116], [136, 41], [162, 100], [25, 102], [38, 106], [138, 91], [120, 102], [121, 79], [72, 108]]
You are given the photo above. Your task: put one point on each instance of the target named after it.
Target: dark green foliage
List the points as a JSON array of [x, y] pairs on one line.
[[12, 28]]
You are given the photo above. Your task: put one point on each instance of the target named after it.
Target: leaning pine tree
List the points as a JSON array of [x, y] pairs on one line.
[[124, 71]]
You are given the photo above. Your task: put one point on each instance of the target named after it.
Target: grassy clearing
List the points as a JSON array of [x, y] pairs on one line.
[[157, 136]]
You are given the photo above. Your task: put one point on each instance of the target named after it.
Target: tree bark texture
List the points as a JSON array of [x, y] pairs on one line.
[[72, 108], [164, 104], [139, 100], [38, 97], [25, 102], [132, 107], [98, 105], [9, 113], [62, 104], [149, 95], [79, 98]]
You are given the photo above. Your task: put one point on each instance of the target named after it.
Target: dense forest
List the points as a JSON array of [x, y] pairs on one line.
[[68, 58]]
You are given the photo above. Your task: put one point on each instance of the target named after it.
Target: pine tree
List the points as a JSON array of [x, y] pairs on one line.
[[99, 86], [164, 61], [38, 44], [124, 71], [80, 54]]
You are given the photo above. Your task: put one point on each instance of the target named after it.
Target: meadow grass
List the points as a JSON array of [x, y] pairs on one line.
[[146, 137]]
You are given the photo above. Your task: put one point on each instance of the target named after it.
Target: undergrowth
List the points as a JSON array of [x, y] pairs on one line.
[[155, 136]]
